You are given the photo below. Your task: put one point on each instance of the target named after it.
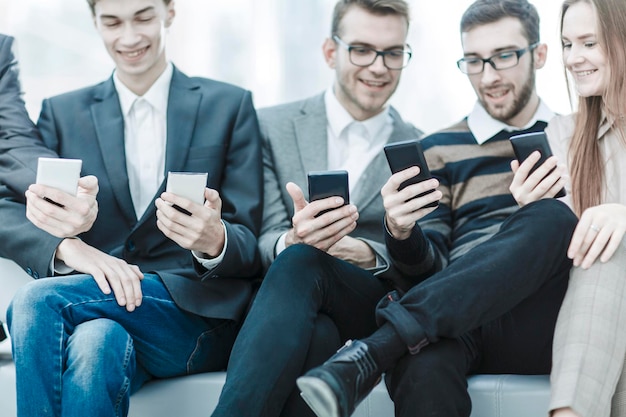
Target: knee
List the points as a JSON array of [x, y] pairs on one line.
[[99, 347], [550, 212], [300, 255], [545, 219], [28, 302], [298, 260]]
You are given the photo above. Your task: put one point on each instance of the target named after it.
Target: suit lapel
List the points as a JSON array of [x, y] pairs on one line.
[[377, 172], [109, 126], [311, 135], [182, 109]]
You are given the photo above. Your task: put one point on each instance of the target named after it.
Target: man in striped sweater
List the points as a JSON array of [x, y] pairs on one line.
[[486, 277]]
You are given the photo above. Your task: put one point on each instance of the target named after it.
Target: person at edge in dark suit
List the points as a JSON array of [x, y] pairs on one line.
[[343, 128], [15, 124], [138, 289], [487, 277]]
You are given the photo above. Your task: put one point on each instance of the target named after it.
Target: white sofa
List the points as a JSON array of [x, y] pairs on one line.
[[197, 395]]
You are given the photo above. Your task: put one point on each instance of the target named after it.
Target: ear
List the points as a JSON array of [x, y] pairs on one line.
[[171, 13], [540, 55], [329, 48]]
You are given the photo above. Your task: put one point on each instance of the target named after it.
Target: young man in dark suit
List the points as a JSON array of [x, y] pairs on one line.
[[141, 289]]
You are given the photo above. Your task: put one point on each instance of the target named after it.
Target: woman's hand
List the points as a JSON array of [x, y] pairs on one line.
[[598, 233]]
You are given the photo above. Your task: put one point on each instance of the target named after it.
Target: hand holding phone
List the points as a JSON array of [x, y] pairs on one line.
[[527, 143], [189, 185], [323, 184], [405, 154], [60, 173]]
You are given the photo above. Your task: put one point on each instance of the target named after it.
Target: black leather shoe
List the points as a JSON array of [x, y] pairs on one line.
[[335, 388]]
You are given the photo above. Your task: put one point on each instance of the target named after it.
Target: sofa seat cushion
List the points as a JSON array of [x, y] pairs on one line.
[[197, 395]]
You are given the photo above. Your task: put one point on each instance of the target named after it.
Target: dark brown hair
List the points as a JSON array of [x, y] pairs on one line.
[[377, 7], [482, 12]]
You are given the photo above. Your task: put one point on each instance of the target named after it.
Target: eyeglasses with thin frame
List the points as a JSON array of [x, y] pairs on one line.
[[364, 56], [501, 60]]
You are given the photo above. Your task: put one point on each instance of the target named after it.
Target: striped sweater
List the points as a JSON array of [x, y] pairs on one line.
[[474, 180]]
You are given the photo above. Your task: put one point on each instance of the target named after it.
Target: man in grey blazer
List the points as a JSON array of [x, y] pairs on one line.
[[346, 127], [142, 289]]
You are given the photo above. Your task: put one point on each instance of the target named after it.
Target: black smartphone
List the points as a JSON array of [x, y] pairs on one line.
[[527, 143], [405, 154], [324, 184]]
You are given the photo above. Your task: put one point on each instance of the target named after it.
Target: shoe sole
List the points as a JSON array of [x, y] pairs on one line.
[[319, 396]]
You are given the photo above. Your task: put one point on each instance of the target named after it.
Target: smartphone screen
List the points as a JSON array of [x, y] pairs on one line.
[[527, 143], [323, 184], [60, 173], [189, 185], [405, 154]]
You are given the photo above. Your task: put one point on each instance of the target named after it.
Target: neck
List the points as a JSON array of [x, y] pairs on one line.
[[522, 118], [141, 83]]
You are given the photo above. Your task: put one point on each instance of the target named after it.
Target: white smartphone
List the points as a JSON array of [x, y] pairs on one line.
[[189, 185], [59, 173]]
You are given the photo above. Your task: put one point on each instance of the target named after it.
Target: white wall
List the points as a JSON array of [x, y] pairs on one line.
[[272, 47]]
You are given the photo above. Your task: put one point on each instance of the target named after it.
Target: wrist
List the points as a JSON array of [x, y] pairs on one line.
[[216, 245], [67, 245], [289, 238], [396, 232]]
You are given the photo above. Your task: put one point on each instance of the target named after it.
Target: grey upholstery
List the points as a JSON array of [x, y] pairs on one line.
[[197, 395]]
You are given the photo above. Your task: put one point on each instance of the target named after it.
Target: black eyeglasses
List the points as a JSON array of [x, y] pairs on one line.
[[364, 56], [499, 61]]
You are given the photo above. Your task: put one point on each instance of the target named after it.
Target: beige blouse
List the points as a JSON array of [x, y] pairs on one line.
[[560, 130]]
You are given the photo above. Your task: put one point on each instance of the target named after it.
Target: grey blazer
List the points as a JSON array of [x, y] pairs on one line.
[[294, 143]]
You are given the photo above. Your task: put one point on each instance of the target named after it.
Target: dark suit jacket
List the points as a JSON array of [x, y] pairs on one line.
[[294, 143], [211, 126]]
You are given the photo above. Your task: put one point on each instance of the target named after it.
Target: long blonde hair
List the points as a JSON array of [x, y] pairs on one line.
[[586, 164]]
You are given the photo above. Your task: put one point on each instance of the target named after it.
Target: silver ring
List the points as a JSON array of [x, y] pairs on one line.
[[594, 228]]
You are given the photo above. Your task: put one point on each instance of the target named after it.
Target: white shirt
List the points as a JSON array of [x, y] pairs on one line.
[[484, 127], [145, 137], [351, 144]]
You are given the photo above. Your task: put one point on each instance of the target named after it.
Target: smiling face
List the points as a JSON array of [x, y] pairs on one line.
[[583, 56], [363, 91], [133, 32], [507, 95]]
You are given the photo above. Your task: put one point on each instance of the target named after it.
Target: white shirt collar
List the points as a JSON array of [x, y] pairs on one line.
[[484, 127], [157, 95], [339, 118]]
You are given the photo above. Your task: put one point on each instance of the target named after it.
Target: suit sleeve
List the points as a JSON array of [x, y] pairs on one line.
[[241, 192], [20, 147], [388, 268], [276, 219]]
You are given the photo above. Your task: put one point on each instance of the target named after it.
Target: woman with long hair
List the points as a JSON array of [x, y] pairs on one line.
[[588, 376]]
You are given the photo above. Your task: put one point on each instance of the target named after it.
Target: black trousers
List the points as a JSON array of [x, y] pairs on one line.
[[286, 331], [308, 304], [492, 311]]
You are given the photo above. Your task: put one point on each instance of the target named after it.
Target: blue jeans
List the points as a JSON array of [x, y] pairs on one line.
[[77, 352]]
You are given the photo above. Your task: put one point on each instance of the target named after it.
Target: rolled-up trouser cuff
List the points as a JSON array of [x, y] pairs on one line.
[[389, 310]]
